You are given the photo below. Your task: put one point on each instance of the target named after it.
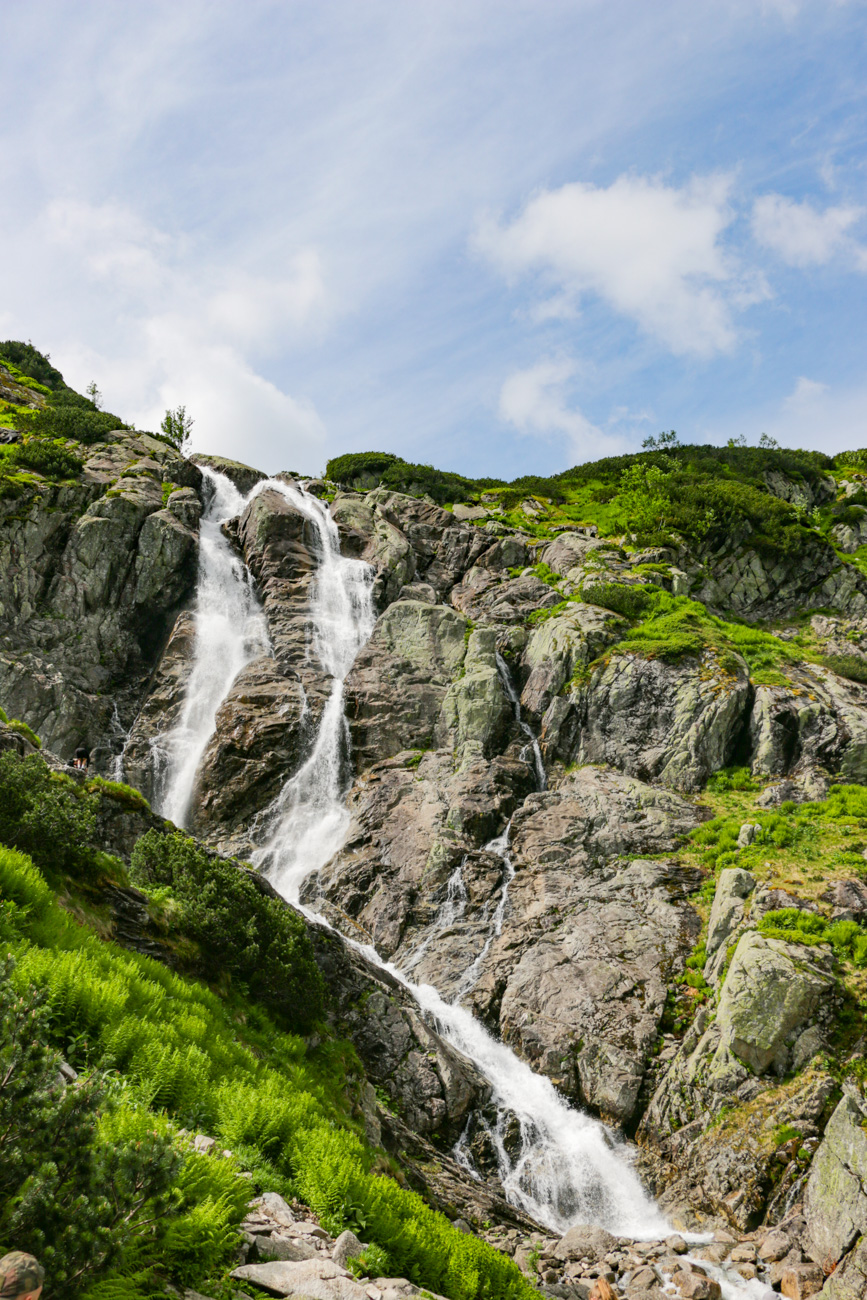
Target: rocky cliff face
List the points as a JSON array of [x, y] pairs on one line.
[[561, 910]]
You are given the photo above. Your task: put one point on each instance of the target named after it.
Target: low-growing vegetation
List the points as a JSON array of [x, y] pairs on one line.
[[246, 930], [160, 1052]]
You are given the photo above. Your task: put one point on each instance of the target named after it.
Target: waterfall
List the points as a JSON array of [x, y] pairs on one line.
[[569, 1168], [230, 630], [512, 694], [309, 821]]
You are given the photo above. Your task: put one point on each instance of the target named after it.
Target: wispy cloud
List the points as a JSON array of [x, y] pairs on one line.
[[651, 251], [535, 401], [802, 236]]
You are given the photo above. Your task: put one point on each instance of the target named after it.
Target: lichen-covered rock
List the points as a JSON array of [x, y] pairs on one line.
[[835, 1203], [772, 990], [756, 586], [397, 686], [657, 721], [733, 887], [849, 1280], [560, 644], [476, 715], [730, 1065], [818, 724]]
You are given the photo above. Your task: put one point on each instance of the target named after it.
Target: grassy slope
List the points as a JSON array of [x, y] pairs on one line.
[[185, 1056]]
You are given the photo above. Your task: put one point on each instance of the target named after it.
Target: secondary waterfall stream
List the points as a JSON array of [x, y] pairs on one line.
[[567, 1167], [230, 631]]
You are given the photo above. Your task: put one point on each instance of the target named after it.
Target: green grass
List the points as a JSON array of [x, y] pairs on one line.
[[848, 939], [120, 793], [187, 1057]]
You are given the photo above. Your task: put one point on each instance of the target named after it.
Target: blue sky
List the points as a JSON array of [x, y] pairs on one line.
[[499, 236]]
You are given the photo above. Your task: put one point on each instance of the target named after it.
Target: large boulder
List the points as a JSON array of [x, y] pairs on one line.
[[773, 990], [835, 1202]]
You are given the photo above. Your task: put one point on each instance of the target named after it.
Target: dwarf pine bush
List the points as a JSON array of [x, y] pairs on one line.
[[249, 933]]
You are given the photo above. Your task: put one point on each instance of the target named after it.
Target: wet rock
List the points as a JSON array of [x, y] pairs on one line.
[[261, 735], [431, 1084], [243, 476], [801, 1281]]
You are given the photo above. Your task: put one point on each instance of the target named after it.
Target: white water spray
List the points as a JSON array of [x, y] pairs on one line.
[[568, 1168], [310, 819], [230, 631]]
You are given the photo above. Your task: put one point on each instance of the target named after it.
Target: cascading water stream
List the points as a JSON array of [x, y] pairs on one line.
[[512, 694], [230, 631], [309, 820], [568, 1168]]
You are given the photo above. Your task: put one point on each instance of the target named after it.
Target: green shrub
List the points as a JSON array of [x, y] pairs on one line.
[[46, 815], [733, 778], [360, 465], [366, 469], [631, 601], [71, 420], [47, 457], [70, 1193], [251, 935], [31, 363], [848, 939]]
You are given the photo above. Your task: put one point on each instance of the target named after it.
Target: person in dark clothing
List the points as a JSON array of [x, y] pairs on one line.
[[81, 758]]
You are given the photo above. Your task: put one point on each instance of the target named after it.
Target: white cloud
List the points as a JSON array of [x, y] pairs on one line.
[[801, 236], [813, 415], [188, 335], [805, 394], [650, 250], [534, 401]]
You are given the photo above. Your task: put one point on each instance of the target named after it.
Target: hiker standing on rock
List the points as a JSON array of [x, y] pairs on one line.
[[21, 1277], [81, 758]]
